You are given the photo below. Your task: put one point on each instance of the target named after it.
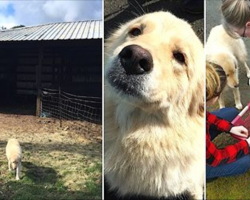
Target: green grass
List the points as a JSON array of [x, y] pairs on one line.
[[235, 187], [50, 174]]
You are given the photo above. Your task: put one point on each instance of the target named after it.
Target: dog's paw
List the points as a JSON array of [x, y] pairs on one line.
[[17, 178], [239, 106]]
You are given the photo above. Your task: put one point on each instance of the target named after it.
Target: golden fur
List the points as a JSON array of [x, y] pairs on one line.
[[14, 156], [154, 141], [226, 51]]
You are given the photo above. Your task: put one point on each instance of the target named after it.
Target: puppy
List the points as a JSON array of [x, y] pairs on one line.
[[227, 52], [154, 96], [14, 156]]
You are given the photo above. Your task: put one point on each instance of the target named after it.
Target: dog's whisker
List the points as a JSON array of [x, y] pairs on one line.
[[133, 13], [143, 11], [135, 7], [147, 6]]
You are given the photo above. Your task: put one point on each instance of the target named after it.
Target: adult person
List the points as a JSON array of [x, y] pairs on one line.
[[233, 159], [236, 17]]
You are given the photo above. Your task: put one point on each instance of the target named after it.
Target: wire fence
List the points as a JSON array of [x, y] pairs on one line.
[[82, 114]]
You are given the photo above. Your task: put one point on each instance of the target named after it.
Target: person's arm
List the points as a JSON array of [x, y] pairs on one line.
[[217, 123], [216, 157]]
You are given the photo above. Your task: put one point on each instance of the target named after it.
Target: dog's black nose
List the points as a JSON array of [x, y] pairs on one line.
[[136, 60], [237, 85]]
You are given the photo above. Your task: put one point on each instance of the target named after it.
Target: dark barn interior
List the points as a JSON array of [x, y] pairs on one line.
[[26, 66]]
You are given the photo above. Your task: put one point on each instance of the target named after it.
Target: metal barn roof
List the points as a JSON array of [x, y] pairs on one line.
[[55, 31]]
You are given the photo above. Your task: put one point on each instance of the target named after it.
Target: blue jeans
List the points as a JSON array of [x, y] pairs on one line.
[[237, 167]]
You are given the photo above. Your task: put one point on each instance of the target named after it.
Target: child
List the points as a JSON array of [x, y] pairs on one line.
[[233, 159]]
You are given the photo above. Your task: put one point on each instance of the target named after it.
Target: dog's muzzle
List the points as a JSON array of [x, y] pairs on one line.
[[136, 60], [130, 70]]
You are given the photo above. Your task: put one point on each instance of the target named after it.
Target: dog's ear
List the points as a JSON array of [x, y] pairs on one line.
[[114, 39], [235, 63], [197, 99], [196, 75]]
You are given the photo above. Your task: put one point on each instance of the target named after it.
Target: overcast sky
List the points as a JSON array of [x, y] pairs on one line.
[[35, 12]]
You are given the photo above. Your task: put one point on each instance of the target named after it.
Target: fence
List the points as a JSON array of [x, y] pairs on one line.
[[82, 114]]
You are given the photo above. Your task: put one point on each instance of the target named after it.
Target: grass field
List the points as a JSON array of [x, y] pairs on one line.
[[57, 164]]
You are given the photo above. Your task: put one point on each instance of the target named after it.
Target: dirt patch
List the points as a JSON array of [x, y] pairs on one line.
[[28, 128]]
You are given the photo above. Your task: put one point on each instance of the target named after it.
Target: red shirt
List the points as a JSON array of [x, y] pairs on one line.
[[215, 156]]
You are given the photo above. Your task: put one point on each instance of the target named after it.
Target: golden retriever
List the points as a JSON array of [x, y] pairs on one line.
[[14, 156], [226, 51], [154, 96]]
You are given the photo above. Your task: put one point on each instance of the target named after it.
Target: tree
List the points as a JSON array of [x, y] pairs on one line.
[[18, 26]]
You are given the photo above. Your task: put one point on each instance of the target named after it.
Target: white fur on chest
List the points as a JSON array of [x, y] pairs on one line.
[[152, 158]]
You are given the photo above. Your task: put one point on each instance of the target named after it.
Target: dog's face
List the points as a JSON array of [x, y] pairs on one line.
[[13, 164], [157, 60], [230, 66], [232, 76]]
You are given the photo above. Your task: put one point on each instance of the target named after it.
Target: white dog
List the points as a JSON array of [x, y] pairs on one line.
[[154, 97], [226, 51], [14, 156]]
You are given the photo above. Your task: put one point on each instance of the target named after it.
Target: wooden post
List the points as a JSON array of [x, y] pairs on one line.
[[60, 73], [38, 82], [60, 107]]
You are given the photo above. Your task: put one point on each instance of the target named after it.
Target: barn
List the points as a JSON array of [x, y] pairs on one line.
[[61, 59]]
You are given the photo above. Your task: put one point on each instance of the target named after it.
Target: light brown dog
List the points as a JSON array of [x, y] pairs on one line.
[[227, 52], [14, 156], [154, 96]]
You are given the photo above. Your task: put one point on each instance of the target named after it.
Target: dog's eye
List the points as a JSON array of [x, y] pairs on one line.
[[179, 57], [135, 32], [227, 75]]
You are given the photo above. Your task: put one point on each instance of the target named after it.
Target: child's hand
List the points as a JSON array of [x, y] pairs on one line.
[[239, 131]]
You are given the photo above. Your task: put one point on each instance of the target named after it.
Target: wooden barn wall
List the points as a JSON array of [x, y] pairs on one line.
[[7, 73], [74, 66]]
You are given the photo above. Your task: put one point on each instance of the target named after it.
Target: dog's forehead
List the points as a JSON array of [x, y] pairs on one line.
[[161, 18], [161, 21]]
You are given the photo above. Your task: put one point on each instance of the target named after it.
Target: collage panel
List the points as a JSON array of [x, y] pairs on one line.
[[154, 123], [227, 89], [51, 100], [60, 139]]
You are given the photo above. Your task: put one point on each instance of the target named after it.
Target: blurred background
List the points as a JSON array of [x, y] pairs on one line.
[[118, 12]]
